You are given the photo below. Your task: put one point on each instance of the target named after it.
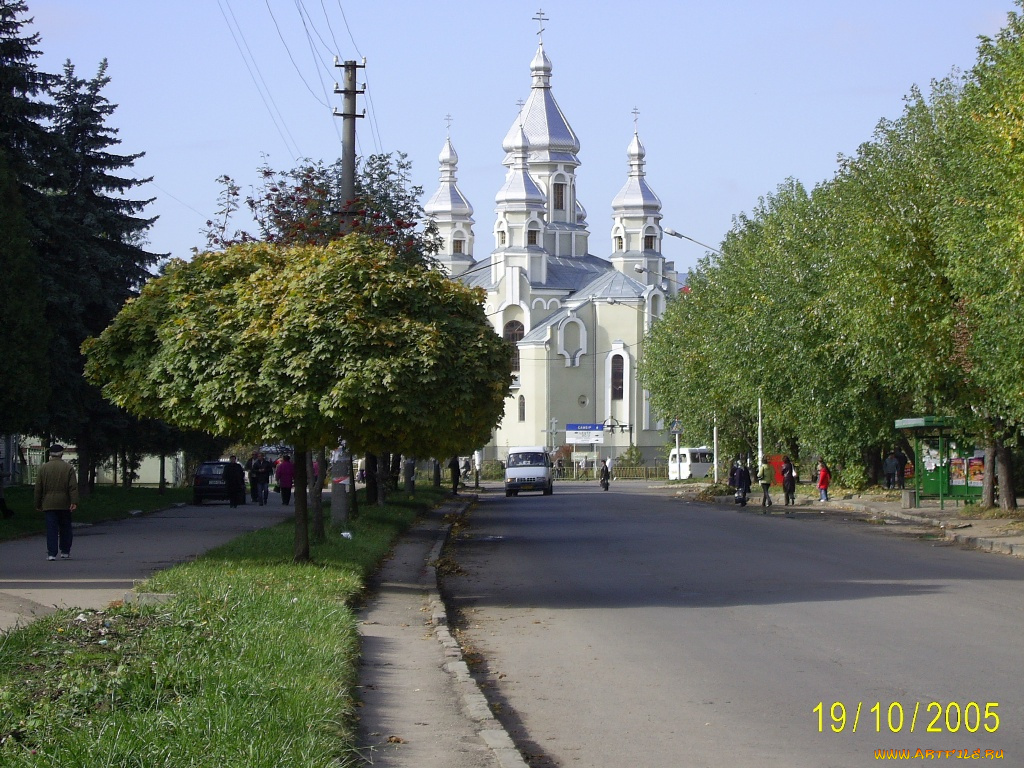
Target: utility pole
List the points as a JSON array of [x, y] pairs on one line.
[[348, 115], [343, 465]]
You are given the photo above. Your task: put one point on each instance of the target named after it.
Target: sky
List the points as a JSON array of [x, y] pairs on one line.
[[733, 97]]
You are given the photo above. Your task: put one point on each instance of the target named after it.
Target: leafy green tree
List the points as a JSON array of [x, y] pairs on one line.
[[981, 226], [303, 343], [306, 205]]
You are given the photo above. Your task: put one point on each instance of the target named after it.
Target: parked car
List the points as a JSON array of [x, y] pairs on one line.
[[209, 483]]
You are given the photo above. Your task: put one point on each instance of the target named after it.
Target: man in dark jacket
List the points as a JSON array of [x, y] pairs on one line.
[[234, 476], [56, 496], [453, 465], [262, 469]]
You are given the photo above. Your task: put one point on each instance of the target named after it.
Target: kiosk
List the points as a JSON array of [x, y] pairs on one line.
[[942, 468]]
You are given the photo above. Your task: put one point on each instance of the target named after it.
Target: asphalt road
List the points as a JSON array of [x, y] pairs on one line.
[[629, 628]]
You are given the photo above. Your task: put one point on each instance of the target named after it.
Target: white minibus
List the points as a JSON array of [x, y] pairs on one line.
[[690, 462]]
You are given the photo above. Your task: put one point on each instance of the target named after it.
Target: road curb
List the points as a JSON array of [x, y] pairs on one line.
[[474, 703]]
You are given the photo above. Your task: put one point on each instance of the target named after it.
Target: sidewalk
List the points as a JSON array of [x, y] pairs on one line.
[[1003, 536], [420, 706]]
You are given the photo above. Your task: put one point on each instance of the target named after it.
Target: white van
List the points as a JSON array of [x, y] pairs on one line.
[[690, 462], [528, 468]]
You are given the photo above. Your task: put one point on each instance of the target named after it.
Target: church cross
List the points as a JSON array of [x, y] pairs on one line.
[[540, 18], [448, 120], [636, 119]]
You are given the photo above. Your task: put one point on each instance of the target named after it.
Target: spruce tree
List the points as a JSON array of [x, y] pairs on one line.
[[23, 116], [94, 256], [24, 338], [25, 151]]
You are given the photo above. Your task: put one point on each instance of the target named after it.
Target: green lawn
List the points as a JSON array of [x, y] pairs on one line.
[[105, 503], [253, 663]]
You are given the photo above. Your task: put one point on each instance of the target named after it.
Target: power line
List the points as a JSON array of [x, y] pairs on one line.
[[303, 14], [292, 58], [293, 149]]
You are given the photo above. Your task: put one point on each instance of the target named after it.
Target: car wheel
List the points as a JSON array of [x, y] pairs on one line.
[[197, 501], [549, 490], [508, 494]]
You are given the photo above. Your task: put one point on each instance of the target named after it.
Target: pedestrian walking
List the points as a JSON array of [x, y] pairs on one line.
[[743, 484], [824, 479], [739, 479], [453, 466], [56, 496], [606, 474], [788, 481], [262, 469], [234, 477], [764, 477], [285, 476], [901, 468], [249, 465], [890, 467]]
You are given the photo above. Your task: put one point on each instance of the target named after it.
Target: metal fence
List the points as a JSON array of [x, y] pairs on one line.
[[640, 473]]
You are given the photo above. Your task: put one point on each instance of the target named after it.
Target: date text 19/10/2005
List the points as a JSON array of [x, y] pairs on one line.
[[933, 717]]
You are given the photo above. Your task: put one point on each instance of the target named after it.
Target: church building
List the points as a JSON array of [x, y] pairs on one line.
[[577, 319]]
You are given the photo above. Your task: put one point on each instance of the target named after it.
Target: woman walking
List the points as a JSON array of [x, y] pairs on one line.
[[764, 477], [285, 475], [788, 480]]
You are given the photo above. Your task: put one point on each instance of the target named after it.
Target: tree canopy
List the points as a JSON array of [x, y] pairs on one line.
[[893, 289], [303, 343]]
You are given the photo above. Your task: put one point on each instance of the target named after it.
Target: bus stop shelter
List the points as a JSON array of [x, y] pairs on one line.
[[942, 468]]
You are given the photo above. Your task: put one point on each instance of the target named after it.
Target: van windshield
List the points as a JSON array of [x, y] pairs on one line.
[[527, 460]]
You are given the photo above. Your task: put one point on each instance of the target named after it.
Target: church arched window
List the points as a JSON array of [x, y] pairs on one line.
[[522, 408], [618, 366], [513, 333]]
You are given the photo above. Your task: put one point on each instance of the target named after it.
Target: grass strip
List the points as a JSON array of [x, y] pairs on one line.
[[253, 662]]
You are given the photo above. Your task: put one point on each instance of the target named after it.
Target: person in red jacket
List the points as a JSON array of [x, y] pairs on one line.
[[824, 478], [285, 474]]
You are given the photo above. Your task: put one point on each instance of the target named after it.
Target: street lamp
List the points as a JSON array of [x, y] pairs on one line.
[[681, 236]]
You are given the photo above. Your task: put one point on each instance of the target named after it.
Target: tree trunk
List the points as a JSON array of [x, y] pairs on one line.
[[396, 471], [872, 464], [319, 531], [371, 478], [301, 509], [163, 479], [84, 465], [988, 485], [383, 478], [1004, 470], [353, 498]]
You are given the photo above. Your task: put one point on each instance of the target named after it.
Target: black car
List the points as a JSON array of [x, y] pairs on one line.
[[209, 483]]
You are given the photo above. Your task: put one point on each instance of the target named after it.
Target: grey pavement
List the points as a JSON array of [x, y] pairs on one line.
[[419, 704], [999, 535]]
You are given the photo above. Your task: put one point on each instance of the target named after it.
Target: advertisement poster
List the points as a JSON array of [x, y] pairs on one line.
[[975, 471], [958, 471]]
